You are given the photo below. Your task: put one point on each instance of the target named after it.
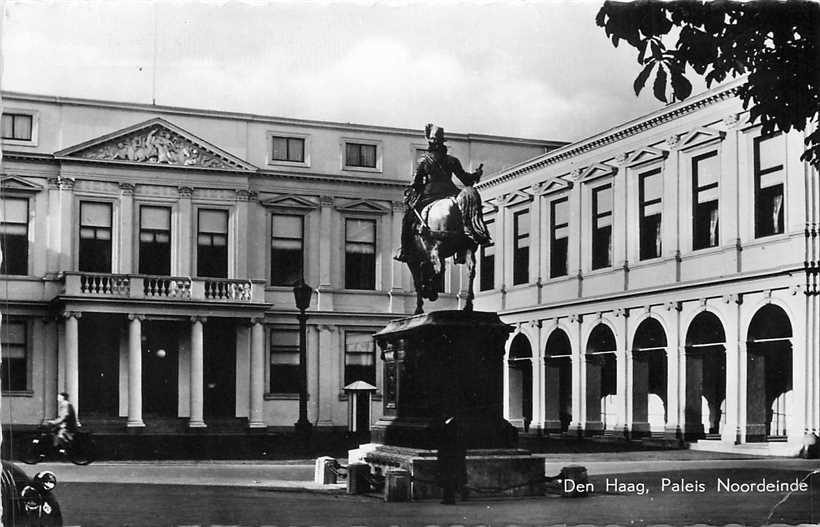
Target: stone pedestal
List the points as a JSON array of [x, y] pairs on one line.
[[442, 365]]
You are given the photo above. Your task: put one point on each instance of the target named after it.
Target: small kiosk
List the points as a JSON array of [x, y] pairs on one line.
[[359, 397]]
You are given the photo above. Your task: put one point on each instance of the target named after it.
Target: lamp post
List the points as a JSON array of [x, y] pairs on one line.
[[302, 293]]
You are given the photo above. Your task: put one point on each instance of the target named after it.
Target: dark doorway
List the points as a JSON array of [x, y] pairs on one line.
[[99, 365], [558, 382], [160, 367], [220, 368], [520, 381]]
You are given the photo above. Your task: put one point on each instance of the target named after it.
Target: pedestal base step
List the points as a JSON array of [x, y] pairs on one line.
[[490, 472]]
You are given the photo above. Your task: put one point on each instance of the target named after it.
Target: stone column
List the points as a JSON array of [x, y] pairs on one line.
[[239, 269], [72, 357], [670, 220], [578, 375], [396, 267], [673, 374], [329, 378], [125, 259], [624, 385], [324, 294], [257, 391], [135, 370], [197, 373], [185, 237]]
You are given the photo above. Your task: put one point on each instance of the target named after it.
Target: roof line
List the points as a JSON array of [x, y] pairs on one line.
[[616, 133], [221, 114]]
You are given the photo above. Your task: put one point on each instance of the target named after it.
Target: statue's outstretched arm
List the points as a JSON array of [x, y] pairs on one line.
[[467, 178]]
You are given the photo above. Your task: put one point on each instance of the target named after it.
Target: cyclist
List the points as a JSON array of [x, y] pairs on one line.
[[66, 421]]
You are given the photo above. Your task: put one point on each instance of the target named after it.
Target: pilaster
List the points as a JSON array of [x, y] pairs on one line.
[[327, 259], [60, 221], [578, 375], [72, 355], [624, 395], [135, 371], [257, 374], [127, 226], [197, 373], [184, 228], [240, 231]]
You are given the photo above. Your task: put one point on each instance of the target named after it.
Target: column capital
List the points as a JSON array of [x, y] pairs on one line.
[[72, 314], [127, 189], [620, 158], [398, 206], [62, 183], [732, 121], [621, 312], [733, 298], [198, 318], [243, 194], [326, 327], [255, 320], [673, 141], [136, 316], [673, 305], [326, 201], [185, 192], [576, 318], [535, 324]]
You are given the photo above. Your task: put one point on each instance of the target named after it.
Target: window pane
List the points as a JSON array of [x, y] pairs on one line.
[[771, 151], [287, 226], [560, 212], [363, 231], [157, 218], [22, 127], [369, 155], [95, 214], [652, 186], [8, 126], [213, 221], [280, 148], [352, 155], [522, 224], [284, 356], [602, 199], [14, 210], [707, 170], [285, 338], [771, 179], [13, 333], [296, 150], [359, 342]]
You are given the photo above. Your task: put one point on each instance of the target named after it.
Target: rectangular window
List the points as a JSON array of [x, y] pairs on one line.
[[14, 345], [521, 247], [212, 244], [487, 259], [286, 249], [359, 155], [651, 207], [290, 149], [17, 126], [602, 227], [705, 192], [95, 237], [14, 236], [769, 154], [360, 254], [360, 358], [284, 361], [559, 237], [155, 240]]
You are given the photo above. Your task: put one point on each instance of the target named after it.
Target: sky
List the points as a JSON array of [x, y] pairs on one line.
[[536, 69]]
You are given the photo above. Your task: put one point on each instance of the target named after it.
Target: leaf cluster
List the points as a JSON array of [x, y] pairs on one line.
[[774, 43]]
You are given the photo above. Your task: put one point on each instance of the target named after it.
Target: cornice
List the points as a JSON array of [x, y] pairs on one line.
[[613, 135], [270, 120]]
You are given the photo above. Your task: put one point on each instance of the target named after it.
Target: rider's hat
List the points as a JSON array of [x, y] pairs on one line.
[[434, 134]]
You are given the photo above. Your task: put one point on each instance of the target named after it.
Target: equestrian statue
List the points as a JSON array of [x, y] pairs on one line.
[[440, 220]]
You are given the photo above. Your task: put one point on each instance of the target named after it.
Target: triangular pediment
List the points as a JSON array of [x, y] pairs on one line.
[[155, 142], [644, 155], [17, 184], [516, 197], [361, 205], [596, 171], [700, 136], [291, 201], [556, 184]]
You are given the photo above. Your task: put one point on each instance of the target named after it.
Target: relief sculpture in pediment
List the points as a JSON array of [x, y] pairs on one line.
[[158, 145]]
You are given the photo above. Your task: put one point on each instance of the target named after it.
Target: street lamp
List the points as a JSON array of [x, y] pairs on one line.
[[302, 293]]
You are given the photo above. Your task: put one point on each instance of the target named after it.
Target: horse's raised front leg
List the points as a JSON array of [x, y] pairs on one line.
[[470, 261], [415, 270]]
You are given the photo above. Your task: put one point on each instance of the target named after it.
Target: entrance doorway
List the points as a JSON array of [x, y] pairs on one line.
[[160, 367], [601, 381], [705, 377], [520, 382], [219, 369], [769, 375], [558, 382], [649, 377], [99, 337]]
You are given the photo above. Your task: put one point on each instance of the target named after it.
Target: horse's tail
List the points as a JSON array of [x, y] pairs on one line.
[[469, 204]]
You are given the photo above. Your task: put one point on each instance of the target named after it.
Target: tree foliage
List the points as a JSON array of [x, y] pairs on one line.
[[773, 43]]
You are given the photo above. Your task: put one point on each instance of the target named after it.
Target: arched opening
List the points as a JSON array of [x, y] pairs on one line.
[[768, 374], [558, 382], [520, 382], [648, 378], [704, 411], [601, 379]]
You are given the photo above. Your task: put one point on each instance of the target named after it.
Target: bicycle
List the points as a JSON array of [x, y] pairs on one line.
[[81, 450]]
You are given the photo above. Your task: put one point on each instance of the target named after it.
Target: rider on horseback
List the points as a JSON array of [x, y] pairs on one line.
[[433, 181]]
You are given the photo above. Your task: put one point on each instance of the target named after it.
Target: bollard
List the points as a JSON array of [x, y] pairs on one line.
[[324, 470], [358, 475], [574, 481], [397, 485]]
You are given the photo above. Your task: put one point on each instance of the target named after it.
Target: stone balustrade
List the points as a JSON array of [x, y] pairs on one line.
[[170, 288]]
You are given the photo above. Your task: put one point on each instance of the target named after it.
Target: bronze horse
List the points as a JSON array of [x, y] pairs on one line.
[[447, 227]]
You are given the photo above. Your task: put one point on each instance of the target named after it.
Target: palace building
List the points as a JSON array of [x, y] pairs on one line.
[[149, 254], [662, 278]]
